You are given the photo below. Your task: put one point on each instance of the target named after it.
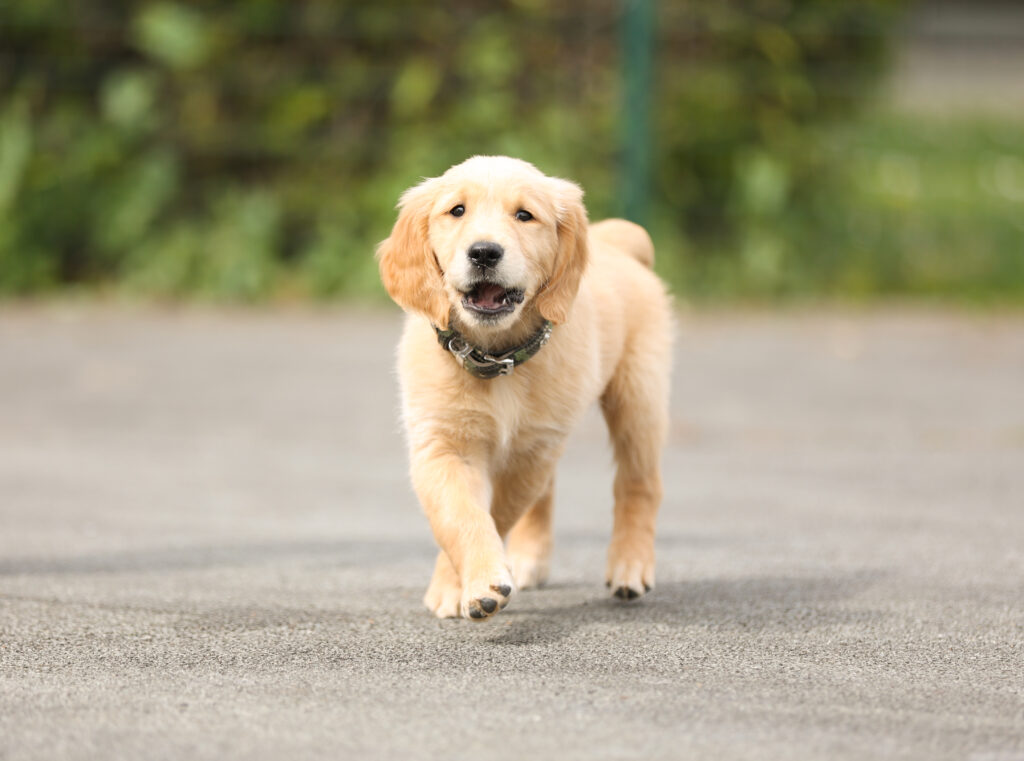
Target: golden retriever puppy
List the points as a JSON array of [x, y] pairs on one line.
[[520, 315]]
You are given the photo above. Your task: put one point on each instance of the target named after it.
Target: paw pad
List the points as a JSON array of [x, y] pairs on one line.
[[484, 600]]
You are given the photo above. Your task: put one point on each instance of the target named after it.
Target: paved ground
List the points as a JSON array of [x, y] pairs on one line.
[[208, 550]]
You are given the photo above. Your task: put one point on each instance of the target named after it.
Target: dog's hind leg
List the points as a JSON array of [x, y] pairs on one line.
[[521, 507], [529, 543], [635, 406]]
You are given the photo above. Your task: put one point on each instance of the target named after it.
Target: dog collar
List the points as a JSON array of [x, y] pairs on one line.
[[479, 363]]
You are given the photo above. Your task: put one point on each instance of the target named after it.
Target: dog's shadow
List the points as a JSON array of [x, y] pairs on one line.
[[749, 604]]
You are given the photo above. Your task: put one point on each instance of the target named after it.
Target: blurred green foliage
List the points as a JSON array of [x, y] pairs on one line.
[[902, 206], [255, 149]]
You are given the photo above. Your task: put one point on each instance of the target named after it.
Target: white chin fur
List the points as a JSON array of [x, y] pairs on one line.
[[486, 320]]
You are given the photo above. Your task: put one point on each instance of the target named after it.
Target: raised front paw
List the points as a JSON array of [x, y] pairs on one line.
[[485, 594]]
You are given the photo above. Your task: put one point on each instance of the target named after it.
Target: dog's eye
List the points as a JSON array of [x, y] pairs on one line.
[[523, 215], [457, 211]]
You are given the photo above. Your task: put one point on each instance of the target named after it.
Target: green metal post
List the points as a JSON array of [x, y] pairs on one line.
[[637, 57]]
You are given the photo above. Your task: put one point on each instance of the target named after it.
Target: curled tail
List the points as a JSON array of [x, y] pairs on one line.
[[627, 237]]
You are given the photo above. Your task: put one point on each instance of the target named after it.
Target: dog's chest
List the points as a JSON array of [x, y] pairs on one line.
[[508, 415], [521, 421]]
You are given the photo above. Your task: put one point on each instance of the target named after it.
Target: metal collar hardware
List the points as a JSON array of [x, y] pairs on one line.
[[483, 365]]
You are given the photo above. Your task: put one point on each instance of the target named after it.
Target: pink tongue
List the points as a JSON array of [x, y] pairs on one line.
[[489, 295]]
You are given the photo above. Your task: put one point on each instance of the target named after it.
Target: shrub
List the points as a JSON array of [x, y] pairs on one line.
[[253, 149]]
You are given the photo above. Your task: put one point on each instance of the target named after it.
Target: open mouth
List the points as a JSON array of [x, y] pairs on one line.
[[490, 299]]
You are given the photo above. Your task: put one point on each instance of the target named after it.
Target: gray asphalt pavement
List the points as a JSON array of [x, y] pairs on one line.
[[208, 549]]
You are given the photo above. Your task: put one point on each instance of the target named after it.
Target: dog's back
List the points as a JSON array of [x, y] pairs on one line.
[[625, 236]]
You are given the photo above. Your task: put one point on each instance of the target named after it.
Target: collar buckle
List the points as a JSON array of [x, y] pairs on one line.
[[460, 347], [505, 366]]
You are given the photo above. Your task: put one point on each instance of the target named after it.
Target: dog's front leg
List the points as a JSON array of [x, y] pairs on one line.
[[454, 489]]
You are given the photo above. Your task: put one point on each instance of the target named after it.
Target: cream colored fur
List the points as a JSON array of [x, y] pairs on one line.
[[483, 452]]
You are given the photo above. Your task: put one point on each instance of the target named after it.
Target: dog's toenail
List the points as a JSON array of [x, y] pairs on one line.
[[647, 587], [625, 593], [504, 590], [476, 613], [488, 604], [503, 604]]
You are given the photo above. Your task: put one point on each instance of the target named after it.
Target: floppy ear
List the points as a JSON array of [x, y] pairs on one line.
[[408, 266], [556, 297]]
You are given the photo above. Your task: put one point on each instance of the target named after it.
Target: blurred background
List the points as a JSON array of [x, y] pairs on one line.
[[777, 149]]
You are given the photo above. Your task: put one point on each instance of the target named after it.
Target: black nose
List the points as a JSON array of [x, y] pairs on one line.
[[484, 253]]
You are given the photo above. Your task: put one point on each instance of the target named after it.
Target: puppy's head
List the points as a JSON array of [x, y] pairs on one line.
[[488, 240]]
